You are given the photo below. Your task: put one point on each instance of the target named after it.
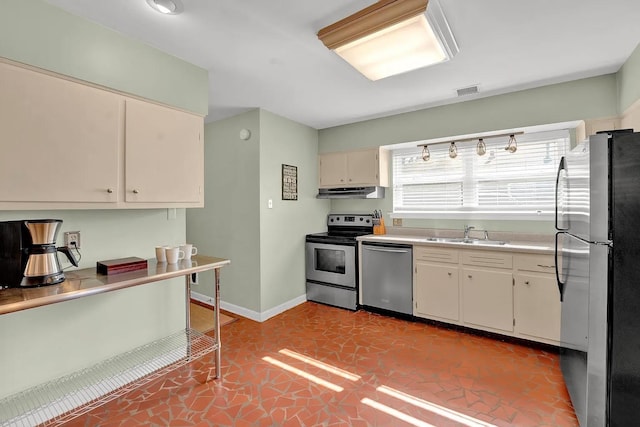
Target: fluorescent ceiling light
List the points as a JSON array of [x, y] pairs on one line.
[[392, 37], [167, 7]]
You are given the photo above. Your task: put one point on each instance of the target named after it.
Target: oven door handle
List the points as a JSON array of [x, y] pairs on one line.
[[397, 251]]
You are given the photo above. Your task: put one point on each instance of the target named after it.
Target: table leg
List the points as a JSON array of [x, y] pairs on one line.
[[187, 287], [216, 314]]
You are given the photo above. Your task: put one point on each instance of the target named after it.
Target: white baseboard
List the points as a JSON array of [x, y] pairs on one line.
[[206, 299], [250, 314]]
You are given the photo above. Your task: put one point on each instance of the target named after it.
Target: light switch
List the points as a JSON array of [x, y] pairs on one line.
[[270, 204]]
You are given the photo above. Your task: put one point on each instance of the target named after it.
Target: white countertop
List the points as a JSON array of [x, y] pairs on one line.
[[510, 246]]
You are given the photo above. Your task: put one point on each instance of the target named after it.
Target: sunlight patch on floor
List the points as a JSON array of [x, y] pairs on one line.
[[303, 374], [395, 413], [436, 409], [329, 368]]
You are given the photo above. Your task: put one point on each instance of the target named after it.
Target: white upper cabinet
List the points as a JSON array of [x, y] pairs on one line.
[[69, 145], [357, 168], [164, 154], [59, 139]]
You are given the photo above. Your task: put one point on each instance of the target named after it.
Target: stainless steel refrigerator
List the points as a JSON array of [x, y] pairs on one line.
[[598, 239]]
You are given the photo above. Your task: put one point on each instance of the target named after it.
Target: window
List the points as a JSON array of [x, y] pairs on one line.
[[518, 185]]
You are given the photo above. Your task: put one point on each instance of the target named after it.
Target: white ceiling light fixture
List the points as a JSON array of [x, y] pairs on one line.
[[166, 7], [392, 37]]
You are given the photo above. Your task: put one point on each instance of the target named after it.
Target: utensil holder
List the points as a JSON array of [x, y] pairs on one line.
[[378, 226]]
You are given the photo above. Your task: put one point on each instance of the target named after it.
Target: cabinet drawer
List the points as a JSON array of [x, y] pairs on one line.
[[487, 259], [422, 253], [540, 263]]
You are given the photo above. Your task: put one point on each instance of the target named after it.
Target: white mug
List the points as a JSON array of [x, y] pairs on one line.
[[173, 254], [161, 255], [189, 250]]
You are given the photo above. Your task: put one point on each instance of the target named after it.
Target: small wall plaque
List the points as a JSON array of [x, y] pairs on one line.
[[289, 182]]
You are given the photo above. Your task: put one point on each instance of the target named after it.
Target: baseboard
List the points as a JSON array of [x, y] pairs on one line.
[[250, 314]]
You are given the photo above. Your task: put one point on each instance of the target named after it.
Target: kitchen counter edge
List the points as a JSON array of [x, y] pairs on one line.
[[86, 282], [527, 247]]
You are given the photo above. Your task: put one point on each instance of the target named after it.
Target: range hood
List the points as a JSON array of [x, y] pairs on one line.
[[351, 193]]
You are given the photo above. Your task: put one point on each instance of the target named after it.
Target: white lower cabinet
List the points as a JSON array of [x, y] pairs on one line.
[[436, 289], [501, 292], [437, 292], [537, 299], [487, 298]]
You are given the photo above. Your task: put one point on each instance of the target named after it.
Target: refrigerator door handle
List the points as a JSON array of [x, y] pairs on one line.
[[560, 284], [562, 166]]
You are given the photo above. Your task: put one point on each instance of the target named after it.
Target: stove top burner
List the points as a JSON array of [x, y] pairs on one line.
[[344, 228]]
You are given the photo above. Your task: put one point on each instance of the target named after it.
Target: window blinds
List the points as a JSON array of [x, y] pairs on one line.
[[499, 181]]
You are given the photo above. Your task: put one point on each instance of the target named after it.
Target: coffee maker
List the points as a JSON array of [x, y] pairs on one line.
[[28, 253]]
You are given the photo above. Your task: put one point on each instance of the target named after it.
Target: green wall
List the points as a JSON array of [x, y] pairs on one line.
[[283, 228], [576, 100], [266, 246], [55, 340], [37, 33], [229, 224], [629, 81]]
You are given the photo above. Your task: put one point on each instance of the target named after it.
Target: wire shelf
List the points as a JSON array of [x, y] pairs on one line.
[[58, 401]]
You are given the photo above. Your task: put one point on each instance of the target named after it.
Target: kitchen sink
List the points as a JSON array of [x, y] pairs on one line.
[[439, 239], [484, 242], [479, 242]]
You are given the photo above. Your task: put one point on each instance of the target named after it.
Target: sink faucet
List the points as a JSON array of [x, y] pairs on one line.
[[467, 228]]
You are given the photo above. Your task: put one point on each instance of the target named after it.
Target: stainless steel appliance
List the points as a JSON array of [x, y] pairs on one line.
[[28, 253], [598, 221], [332, 260], [387, 279], [351, 193]]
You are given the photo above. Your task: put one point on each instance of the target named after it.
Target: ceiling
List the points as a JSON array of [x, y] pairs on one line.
[[266, 53]]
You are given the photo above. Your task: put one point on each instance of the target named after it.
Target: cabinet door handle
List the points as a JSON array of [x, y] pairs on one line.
[[109, 190], [449, 273], [470, 276], [546, 266], [526, 283], [135, 191]]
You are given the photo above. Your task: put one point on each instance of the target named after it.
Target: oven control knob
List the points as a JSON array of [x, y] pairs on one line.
[[361, 218], [368, 221], [331, 220]]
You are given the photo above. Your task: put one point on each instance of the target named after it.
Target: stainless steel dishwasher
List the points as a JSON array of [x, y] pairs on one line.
[[387, 281]]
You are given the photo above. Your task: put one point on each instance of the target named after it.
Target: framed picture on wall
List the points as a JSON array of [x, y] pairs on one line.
[[289, 182]]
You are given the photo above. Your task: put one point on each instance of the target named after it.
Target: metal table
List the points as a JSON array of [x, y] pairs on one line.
[[56, 402]]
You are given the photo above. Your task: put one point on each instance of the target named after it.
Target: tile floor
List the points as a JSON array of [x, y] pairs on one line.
[[316, 365]]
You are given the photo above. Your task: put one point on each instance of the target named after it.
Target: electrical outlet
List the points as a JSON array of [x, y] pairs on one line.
[[72, 239], [397, 222]]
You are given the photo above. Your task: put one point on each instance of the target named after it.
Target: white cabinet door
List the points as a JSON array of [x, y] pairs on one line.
[[332, 170], [59, 139], [437, 291], [487, 298], [362, 167], [537, 306], [164, 155], [358, 168]]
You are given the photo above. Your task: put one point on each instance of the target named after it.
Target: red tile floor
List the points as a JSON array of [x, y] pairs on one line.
[[316, 365]]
